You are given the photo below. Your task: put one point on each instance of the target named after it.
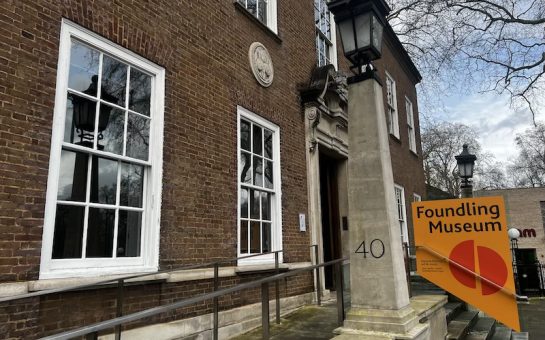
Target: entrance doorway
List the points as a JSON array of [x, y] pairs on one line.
[[329, 200]]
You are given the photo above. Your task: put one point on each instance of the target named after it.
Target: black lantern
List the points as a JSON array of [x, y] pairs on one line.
[[466, 163], [85, 112], [360, 23]]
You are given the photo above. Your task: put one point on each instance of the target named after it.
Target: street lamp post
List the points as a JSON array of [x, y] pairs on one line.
[[379, 294], [466, 164], [514, 235]]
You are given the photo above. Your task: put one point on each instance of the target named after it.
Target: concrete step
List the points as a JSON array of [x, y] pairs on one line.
[[519, 336], [501, 333], [461, 324], [483, 329], [452, 309], [416, 292]]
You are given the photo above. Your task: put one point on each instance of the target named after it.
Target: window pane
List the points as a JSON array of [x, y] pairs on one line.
[[132, 185], [254, 204], [68, 233], [262, 15], [266, 237], [138, 136], [251, 6], [243, 237], [268, 136], [257, 140], [266, 206], [114, 81], [245, 135], [258, 171], [244, 168], [103, 180], [73, 176], [269, 175], [128, 233], [140, 92], [244, 202], [79, 123], [83, 74], [255, 237], [111, 127], [100, 232]]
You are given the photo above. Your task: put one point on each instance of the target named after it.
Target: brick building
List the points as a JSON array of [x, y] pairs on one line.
[[144, 136]]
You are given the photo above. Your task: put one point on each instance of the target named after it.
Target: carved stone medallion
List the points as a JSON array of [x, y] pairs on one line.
[[261, 64]]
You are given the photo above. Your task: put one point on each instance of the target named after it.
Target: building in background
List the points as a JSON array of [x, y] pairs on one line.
[[151, 136], [526, 211]]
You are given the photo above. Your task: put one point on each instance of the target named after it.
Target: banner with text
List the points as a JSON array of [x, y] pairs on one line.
[[463, 247]]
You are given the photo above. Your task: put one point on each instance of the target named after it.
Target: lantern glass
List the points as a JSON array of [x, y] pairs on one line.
[[465, 168], [363, 30], [377, 30], [346, 28]]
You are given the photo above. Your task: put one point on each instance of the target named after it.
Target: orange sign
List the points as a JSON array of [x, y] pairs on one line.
[[463, 247]]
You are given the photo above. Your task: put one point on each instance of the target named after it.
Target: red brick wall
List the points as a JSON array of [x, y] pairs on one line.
[[203, 47]]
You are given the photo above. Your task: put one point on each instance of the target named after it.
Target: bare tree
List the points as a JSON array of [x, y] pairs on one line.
[[441, 142], [495, 45], [528, 170]]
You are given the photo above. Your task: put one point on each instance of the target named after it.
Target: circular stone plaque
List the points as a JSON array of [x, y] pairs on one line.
[[261, 64]]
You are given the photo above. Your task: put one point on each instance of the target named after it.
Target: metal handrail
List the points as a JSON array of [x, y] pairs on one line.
[[117, 322], [129, 277], [459, 266]]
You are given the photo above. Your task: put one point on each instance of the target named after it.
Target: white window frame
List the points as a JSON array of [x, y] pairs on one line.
[[391, 109], [276, 199], [272, 21], [410, 124], [148, 261], [401, 209], [417, 197], [331, 41]]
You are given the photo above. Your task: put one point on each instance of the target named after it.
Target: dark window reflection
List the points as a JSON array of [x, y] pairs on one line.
[[128, 233], [244, 167], [79, 124], [258, 171], [73, 176], [139, 92], [103, 180], [257, 140], [267, 134], [83, 66], [269, 175], [244, 202], [132, 185], [68, 234], [243, 237], [262, 15], [255, 237], [100, 232], [111, 139], [266, 206], [138, 136], [245, 135], [114, 80], [251, 6], [266, 237], [255, 197]]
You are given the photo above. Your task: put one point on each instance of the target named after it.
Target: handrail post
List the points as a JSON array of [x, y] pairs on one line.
[[92, 336], [119, 306], [318, 284], [216, 300], [265, 310], [339, 287], [277, 286]]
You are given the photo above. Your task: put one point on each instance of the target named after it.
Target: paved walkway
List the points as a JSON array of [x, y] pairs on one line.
[[532, 318], [307, 323], [318, 323]]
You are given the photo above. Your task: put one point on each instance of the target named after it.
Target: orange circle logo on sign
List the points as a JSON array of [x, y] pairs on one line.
[[491, 266]]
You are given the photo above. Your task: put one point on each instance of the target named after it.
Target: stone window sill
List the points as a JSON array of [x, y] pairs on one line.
[[19, 288]]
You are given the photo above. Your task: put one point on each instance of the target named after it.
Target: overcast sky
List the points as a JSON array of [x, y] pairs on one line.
[[494, 120]]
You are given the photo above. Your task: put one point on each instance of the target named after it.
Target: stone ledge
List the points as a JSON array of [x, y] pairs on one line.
[[19, 288]]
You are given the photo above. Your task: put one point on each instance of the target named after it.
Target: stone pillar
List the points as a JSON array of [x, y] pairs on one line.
[[379, 295]]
